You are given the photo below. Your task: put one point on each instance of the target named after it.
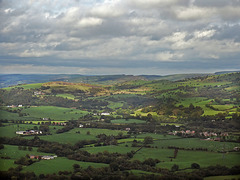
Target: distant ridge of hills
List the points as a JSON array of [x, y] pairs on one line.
[[15, 79], [225, 72]]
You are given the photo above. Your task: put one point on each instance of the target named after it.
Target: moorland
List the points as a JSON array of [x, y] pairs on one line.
[[120, 126]]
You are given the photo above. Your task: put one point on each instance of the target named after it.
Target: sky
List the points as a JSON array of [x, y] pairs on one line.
[[96, 37]]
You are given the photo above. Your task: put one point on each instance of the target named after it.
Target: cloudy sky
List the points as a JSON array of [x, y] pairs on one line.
[[119, 36]]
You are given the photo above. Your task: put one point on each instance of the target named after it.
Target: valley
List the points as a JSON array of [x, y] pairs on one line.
[[121, 126]]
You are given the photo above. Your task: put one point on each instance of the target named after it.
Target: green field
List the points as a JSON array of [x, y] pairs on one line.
[[5, 115], [186, 158], [58, 164], [54, 113], [140, 172], [14, 153], [10, 130], [204, 159], [233, 177], [68, 96], [27, 86], [128, 121], [197, 143], [72, 137], [111, 149]]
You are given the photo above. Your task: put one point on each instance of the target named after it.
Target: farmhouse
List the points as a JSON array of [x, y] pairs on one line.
[[47, 157], [38, 93], [105, 114], [28, 132], [20, 132], [236, 148], [42, 157]]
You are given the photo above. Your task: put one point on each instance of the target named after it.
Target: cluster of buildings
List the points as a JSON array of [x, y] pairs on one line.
[[187, 132], [38, 93], [29, 132], [42, 157], [102, 114], [14, 106], [202, 134]]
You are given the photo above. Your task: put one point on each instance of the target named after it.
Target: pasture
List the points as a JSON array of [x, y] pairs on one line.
[[26, 86], [10, 129], [230, 177], [184, 159], [189, 143], [5, 115], [73, 136], [54, 113], [127, 121], [68, 96], [58, 164], [111, 149], [14, 153]]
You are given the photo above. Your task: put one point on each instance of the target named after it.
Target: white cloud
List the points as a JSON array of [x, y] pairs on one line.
[[168, 56], [155, 3], [90, 21], [204, 33], [193, 13]]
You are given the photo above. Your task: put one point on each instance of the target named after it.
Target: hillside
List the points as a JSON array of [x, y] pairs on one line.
[[129, 126], [191, 99], [15, 79]]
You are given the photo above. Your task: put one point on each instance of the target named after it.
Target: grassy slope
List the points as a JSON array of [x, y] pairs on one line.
[[14, 153], [27, 86], [231, 177], [58, 164], [10, 130], [72, 137], [55, 113]]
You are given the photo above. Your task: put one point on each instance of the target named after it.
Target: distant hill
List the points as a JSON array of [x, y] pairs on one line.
[[7, 80], [225, 72]]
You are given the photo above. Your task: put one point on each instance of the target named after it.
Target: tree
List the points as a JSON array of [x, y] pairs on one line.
[[175, 167], [44, 128], [191, 107], [195, 166], [76, 166], [1, 146], [148, 140]]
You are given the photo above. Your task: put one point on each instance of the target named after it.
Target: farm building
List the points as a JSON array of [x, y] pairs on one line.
[[20, 132], [42, 157], [28, 132], [48, 157], [105, 114]]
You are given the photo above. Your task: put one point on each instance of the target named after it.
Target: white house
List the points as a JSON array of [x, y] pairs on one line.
[[105, 114]]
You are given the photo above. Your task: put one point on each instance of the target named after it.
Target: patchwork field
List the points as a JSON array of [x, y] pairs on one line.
[[10, 130], [59, 164], [73, 136], [14, 153], [54, 113], [128, 121]]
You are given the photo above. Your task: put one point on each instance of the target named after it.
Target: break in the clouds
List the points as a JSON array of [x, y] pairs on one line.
[[119, 36]]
